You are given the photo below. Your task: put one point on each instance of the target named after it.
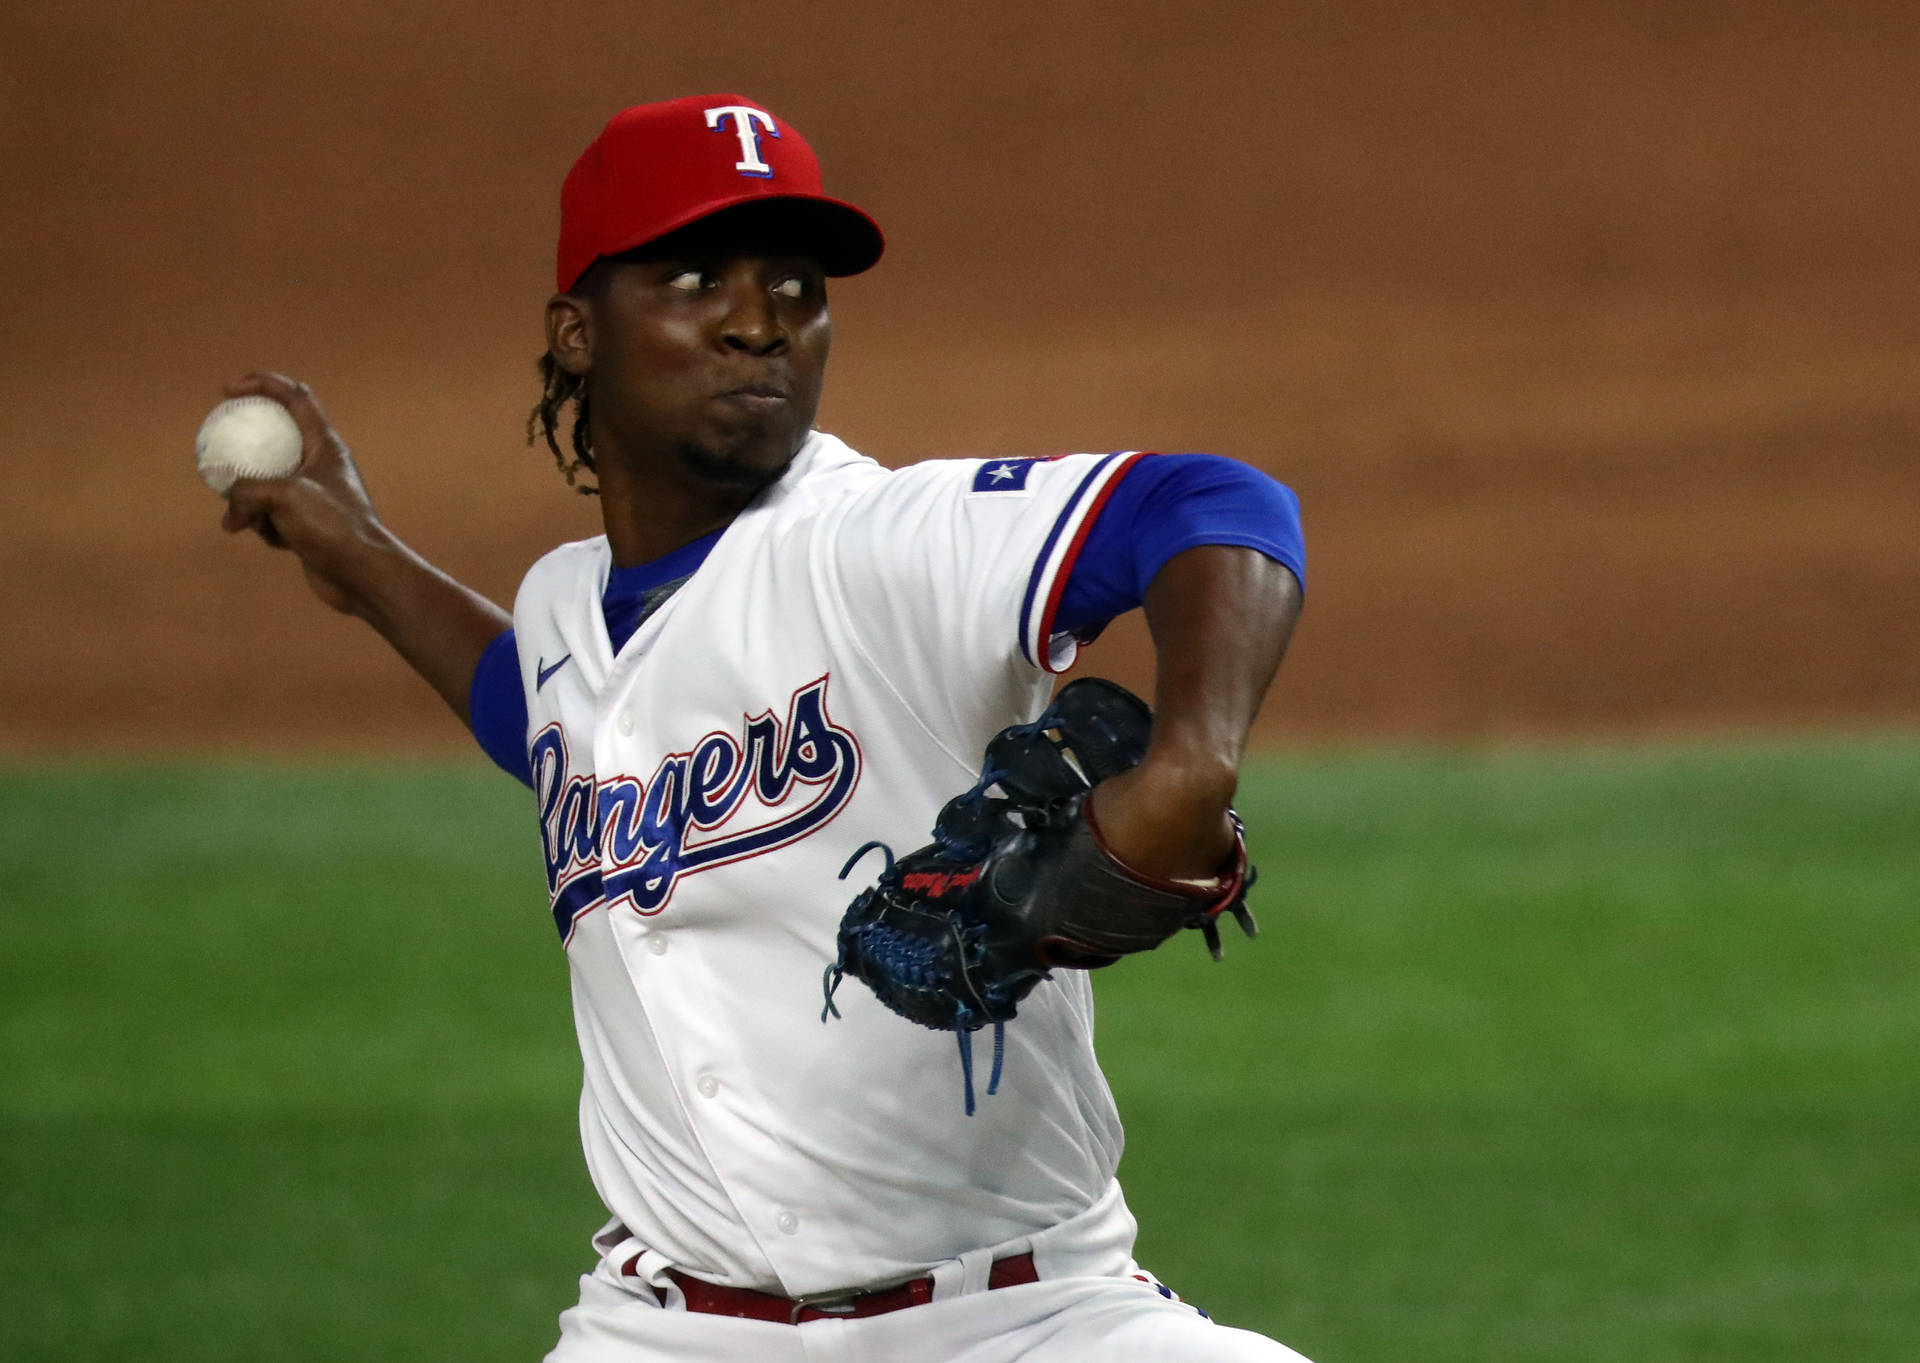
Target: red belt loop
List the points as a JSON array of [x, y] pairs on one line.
[[711, 1299]]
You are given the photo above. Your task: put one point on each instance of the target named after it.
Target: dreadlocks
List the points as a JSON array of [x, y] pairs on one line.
[[558, 388]]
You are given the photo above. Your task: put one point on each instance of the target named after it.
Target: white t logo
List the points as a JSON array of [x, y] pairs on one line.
[[747, 124]]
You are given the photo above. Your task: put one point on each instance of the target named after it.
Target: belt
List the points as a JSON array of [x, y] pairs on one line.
[[711, 1299]]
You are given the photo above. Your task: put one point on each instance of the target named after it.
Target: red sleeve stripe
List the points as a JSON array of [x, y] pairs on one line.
[[1077, 521]]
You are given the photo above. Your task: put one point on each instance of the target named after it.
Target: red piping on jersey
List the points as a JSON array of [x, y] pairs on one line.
[[1059, 585]]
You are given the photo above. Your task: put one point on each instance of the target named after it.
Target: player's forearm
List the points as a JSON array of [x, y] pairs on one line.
[[437, 624], [321, 513], [1221, 618]]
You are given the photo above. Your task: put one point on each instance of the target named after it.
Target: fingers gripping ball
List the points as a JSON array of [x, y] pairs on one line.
[[250, 437], [1018, 882]]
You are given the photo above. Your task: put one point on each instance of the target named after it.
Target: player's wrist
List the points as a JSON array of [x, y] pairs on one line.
[[377, 573], [1190, 779], [1169, 818]]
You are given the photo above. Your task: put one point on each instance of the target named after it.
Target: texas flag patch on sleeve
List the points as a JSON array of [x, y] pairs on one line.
[[1003, 475]]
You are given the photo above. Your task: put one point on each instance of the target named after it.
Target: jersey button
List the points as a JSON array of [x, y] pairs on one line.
[[788, 1223], [657, 944], [625, 723], [707, 1085]]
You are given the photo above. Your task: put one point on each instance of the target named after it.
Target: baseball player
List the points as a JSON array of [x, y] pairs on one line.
[[781, 653]]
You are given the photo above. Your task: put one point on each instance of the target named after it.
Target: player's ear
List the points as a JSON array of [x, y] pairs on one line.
[[570, 333]]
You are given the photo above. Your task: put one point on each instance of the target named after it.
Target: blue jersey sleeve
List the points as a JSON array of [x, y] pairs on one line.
[[497, 704], [1164, 505]]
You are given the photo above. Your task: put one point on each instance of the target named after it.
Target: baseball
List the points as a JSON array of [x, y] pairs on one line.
[[251, 437]]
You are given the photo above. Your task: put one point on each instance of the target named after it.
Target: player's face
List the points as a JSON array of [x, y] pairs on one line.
[[709, 350]]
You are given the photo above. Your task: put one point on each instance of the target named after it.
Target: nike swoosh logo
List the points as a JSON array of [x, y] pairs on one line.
[[546, 673]]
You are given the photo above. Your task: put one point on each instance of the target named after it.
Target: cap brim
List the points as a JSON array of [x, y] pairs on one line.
[[842, 238]]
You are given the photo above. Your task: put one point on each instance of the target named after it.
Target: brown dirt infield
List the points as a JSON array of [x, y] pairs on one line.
[[1591, 345]]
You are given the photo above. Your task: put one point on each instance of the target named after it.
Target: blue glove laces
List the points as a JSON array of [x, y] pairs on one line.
[[912, 963]]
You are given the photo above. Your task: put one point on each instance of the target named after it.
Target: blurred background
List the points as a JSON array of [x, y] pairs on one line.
[[1589, 337]]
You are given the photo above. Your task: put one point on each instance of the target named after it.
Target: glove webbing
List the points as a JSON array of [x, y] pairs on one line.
[[907, 958]]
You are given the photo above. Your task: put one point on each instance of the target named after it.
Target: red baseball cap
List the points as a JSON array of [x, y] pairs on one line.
[[657, 167]]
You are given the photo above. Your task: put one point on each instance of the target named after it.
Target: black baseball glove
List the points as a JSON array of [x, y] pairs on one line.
[[1017, 881]]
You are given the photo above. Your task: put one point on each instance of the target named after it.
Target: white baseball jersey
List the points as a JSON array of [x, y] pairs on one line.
[[830, 675]]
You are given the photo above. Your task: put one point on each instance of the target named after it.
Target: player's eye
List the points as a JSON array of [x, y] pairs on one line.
[[687, 281], [793, 286]]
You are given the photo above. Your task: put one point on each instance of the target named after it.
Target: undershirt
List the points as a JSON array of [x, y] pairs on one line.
[[1163, 506]]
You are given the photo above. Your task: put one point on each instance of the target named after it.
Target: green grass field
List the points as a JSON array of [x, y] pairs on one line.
[[1556, 1055]]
